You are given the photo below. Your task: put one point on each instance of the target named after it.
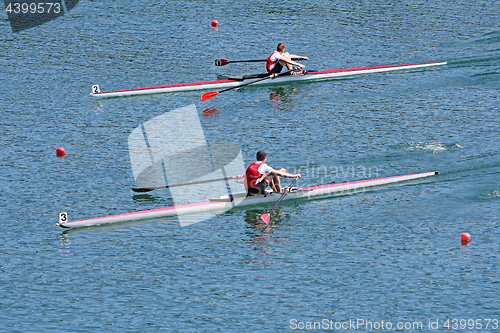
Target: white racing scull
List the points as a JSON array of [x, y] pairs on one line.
[[241, 80], [227, 202]]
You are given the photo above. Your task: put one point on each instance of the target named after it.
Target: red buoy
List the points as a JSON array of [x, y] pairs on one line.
[[465, 239], [60, 152], [215, 23]]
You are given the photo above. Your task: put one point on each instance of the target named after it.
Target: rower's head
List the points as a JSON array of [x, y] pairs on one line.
[[261, 155], [281, 47]]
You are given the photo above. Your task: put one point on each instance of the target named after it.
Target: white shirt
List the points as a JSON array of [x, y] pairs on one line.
[[275, 57], [264, 168]]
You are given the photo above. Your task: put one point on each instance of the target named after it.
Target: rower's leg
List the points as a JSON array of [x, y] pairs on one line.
[[274, 181], [285, 59], [276, 184]]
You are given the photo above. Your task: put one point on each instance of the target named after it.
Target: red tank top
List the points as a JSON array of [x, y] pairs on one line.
[[252, 175], [270, 63]]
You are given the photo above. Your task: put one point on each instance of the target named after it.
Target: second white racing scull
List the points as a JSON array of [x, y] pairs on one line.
[[241, 80]]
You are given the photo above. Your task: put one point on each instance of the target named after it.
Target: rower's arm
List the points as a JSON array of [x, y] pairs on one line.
[[285, 174], [294, 63], [287, 58]]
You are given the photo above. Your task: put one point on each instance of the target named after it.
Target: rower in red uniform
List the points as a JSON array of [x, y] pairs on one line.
[[280, 58], [259, 176]]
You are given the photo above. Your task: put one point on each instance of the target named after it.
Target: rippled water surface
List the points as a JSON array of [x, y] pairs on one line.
[[391, 254]]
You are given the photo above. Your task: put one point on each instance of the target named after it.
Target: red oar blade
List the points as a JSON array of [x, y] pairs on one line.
[[208, 95], [266, 217], [221, 62]]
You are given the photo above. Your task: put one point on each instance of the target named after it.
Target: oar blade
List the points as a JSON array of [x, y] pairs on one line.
[[221, 62], [144, 189], [266, 217], [208, 95]]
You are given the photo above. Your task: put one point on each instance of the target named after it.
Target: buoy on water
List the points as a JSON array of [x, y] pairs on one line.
[[465, 237], [60, 152], [215, 23]]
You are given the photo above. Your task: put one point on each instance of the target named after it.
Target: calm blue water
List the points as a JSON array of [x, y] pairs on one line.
[[392, 254]]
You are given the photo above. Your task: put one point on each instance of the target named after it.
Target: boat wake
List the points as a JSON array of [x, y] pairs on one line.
[[435, 147], [493, 195]]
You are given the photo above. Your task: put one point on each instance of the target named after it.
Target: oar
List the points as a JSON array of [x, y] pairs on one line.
[[148, 189], [267, 216], [212, 94], [224, 62]]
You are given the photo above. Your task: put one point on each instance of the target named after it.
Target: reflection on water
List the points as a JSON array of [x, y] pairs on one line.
[[64, 238], [99, 108], [260, 232], [281, 95], [263, 240], [162, 201], [252, 217], [211, 112]]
